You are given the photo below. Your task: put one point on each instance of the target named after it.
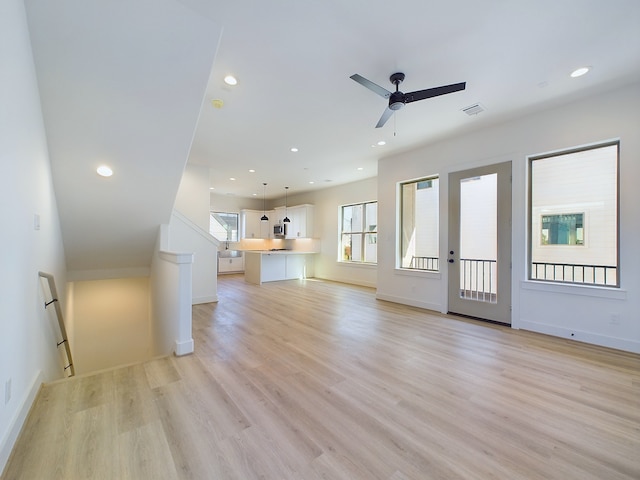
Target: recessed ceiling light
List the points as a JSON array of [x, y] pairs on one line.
[[360, 168], [294, 149], [251, 170], [311, 182], [381, 143], [580, 71], [212, 188], [254, 194], [230, 80], [232, 179], [104, 171]]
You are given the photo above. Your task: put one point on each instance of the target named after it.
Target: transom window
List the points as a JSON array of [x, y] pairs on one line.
[[359, 232]]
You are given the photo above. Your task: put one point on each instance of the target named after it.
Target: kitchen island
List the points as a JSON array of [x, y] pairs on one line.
[[272, 265]]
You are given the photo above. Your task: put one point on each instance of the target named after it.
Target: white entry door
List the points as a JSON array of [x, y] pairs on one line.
[[480, 242]]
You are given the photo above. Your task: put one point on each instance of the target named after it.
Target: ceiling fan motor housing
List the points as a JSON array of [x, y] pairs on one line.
[[396, 100]]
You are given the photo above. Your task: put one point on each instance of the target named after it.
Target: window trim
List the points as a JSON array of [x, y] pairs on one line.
[[340, 259], [398, 263], [529, 182]]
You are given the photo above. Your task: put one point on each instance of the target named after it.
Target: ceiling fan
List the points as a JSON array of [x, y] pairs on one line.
[[398, 99]]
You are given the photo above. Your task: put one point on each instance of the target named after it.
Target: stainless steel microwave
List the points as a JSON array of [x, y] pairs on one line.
[[280, 230]]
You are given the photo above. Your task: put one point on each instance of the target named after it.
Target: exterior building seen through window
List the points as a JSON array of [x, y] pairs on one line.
[[359, 233], [224, 226], [573, 216], [419, 218]]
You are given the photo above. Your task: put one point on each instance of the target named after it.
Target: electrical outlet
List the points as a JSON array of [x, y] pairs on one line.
[[36, 221], [7, 391]]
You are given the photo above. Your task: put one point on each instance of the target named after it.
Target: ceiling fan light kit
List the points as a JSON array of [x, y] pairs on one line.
[[398, 99]]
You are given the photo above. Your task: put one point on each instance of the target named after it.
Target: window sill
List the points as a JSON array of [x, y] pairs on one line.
[[411, 272], [586, 290], [358, 264]]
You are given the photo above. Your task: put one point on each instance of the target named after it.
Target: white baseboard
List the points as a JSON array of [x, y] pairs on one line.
[[16, 423], [184, 348], [409, 301], [205, 299], [581, 336]]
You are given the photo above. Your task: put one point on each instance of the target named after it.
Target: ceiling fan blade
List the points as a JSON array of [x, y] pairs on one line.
[[383, 92], [433, 92], [385, 116]]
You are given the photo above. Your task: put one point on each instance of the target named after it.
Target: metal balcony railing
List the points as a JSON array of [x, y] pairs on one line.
[[430, 264], [478, 279], [575, 273]]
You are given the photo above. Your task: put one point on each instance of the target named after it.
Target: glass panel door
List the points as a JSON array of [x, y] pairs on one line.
[[480, 242]]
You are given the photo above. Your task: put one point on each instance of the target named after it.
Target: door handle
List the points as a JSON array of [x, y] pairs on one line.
[[451, 260]]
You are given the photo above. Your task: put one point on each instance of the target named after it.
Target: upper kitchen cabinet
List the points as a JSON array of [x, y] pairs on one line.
[[253, 227], [301, 225]]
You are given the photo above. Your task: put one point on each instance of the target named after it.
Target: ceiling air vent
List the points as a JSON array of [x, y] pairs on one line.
[[473, 109]]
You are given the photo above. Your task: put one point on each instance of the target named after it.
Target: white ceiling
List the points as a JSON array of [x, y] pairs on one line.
[[293, 61], [123, 81]]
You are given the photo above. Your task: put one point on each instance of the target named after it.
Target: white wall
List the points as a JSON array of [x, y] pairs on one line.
[[602, 316], [231, 204], [112, 325], [170, 286], [189, 232], [192, 199], [327, 210], [185, 236], [28, 353]]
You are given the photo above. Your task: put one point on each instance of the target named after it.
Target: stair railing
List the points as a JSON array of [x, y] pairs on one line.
[[63, 330]]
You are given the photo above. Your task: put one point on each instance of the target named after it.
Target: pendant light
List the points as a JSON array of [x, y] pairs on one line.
[[286, 219], [264, 213]]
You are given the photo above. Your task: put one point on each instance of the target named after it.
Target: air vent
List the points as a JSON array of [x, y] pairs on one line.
[[473, 109]]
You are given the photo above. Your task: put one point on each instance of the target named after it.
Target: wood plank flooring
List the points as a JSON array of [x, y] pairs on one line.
[[311, 380]]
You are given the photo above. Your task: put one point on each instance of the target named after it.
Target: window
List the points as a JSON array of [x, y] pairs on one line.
[[419, 217], [224, 226], [562, 229], [359, 232], [574, 216]]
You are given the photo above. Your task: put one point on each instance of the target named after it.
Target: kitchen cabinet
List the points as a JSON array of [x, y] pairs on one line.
[[267, 266], [253, 227], [274, 267], [301, 224], [230, 265]]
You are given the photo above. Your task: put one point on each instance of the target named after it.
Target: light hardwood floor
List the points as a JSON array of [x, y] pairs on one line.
[[317, 380]]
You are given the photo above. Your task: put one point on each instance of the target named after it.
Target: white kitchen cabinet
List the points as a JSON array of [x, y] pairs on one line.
[[274, 267], [295, 267], [253, 227], [279, 214], [230, 265], [266, 266], [301, 225]]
